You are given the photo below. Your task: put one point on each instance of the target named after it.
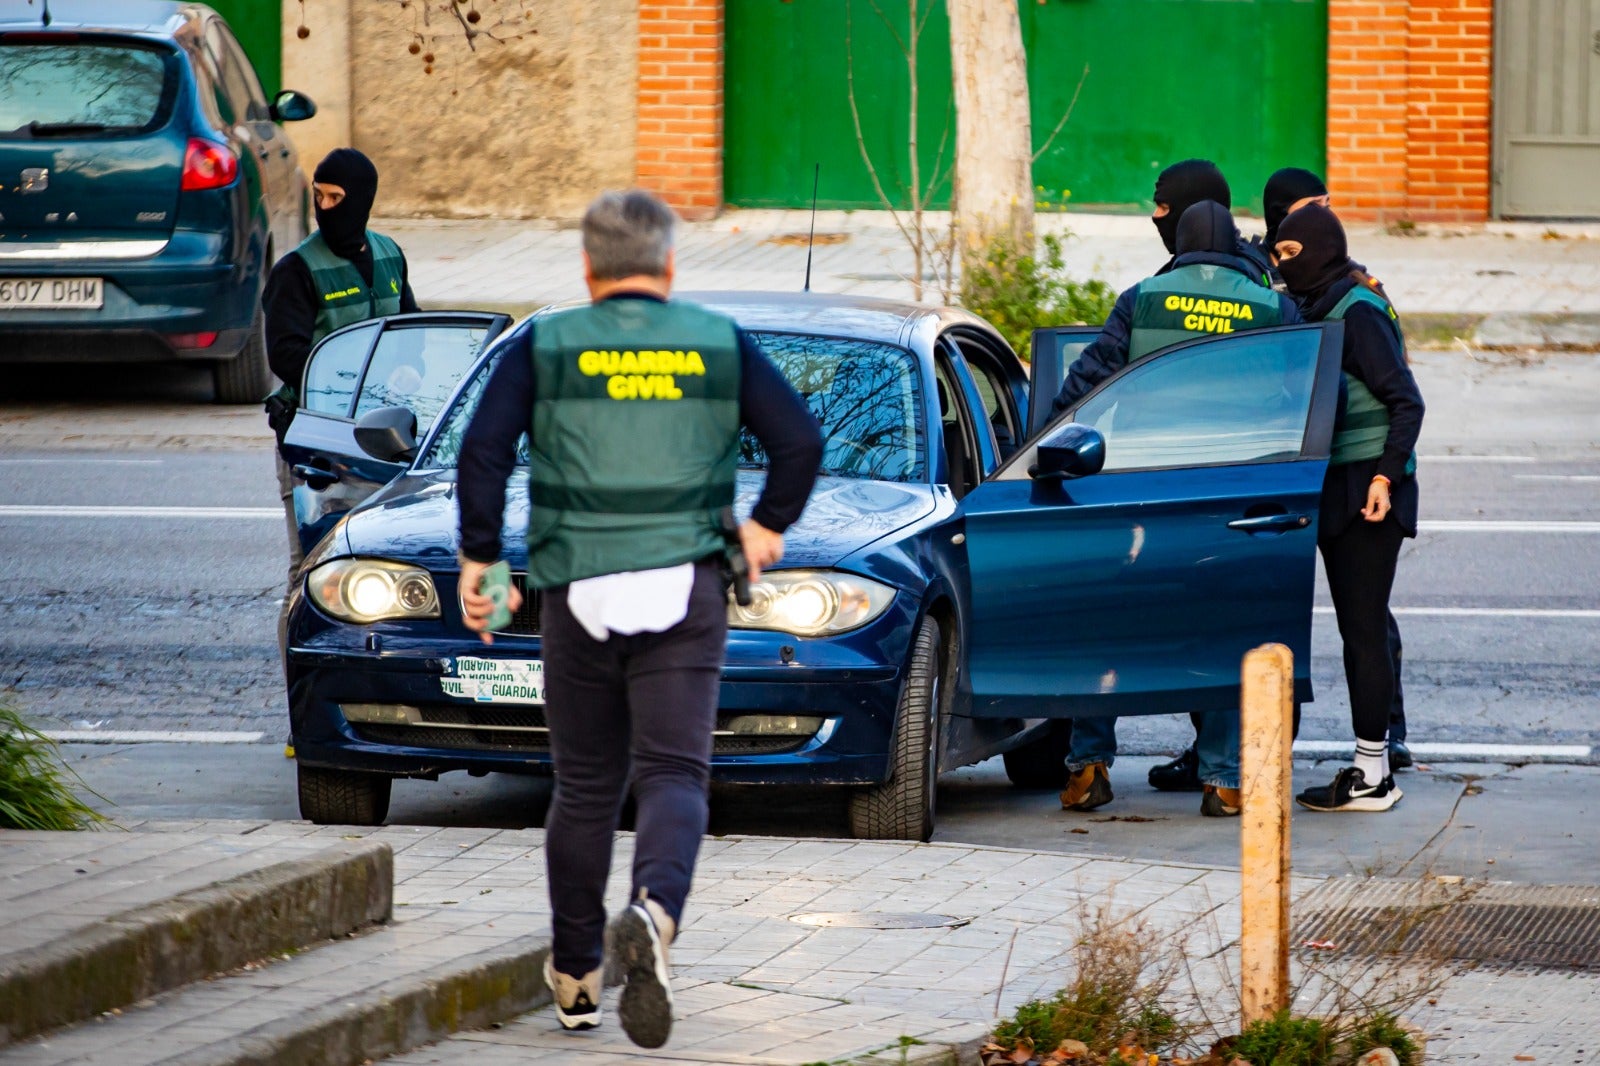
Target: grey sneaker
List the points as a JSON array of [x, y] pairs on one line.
[[577, 998], [640, 936]]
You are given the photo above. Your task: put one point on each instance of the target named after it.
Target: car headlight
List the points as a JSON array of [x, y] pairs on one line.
[[368, 590], [810, 603]]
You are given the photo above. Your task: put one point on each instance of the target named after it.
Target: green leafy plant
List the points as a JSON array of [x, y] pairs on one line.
[[1286, 1040], [1383, 1030], [35, 786], [1019, 292]]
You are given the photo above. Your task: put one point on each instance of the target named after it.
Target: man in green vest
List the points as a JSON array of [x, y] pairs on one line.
[[632, 407], [1207, 289]]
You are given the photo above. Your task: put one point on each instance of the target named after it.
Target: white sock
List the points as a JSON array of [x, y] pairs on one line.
[[1372, 759]]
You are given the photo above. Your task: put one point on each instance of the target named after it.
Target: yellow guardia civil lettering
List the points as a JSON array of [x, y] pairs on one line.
[[341, 294], [1215, 308], [642, 375]]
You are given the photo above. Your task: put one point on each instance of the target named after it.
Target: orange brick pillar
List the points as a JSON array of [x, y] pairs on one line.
[[680, 103], [1408, 109]]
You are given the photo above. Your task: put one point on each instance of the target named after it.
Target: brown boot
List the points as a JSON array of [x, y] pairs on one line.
[[1219, 802], [1087, 789]]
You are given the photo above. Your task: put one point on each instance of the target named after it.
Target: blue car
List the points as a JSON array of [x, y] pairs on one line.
[[969, 570], [146, 187]]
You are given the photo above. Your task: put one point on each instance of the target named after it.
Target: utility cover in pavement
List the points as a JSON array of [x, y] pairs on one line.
[[1507, 925], [871, 920]]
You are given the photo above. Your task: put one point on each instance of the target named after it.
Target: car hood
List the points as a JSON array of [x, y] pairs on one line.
[[414, 519]]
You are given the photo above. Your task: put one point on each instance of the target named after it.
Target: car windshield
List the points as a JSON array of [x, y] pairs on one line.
[[83, 90], [865, 395]]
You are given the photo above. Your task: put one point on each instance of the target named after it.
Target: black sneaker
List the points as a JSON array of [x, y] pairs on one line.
[[1400, 756], [645, 1006], [1350, 792], [1180, 775]]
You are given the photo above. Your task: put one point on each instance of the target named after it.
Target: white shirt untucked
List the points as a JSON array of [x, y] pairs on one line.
[[635, 601]]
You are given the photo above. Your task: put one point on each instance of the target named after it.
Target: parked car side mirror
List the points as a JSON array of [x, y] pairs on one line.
[[290, 106], [388, 434], [1075, 450]]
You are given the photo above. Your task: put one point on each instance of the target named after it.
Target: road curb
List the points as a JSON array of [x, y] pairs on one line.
[[140, 952]]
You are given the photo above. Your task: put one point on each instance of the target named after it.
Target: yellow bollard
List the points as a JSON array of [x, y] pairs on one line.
[[1266, 707]]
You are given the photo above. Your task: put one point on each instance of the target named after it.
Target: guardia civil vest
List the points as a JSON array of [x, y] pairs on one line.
[[1196, 300], [342, 296], [1364, 422], [635, 438]]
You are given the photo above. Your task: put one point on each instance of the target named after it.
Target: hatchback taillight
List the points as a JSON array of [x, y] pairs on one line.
[[208, 165]]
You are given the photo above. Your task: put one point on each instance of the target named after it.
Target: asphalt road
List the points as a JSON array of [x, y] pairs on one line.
[[164, 621]]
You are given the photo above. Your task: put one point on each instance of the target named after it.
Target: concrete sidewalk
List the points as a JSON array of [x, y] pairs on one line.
[[1540, 285], [925, 941]]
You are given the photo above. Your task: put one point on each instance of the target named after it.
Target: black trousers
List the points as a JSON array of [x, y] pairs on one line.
[[628, 711], [1360, 564]]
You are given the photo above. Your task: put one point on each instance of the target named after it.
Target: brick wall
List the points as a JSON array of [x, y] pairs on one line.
[[1408, 108], [680, 103]]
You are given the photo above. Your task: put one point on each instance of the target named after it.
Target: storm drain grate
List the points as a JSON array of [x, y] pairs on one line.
[[1504, 925]]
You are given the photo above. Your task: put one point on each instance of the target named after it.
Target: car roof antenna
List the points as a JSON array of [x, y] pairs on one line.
[[811, 237]]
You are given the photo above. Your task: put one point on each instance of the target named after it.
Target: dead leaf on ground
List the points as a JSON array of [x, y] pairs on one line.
[[1128, 818], [1085, 832], [802, 239]]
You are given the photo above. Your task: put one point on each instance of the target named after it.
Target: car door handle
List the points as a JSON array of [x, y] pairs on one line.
[[1271, 523], [315, 477]]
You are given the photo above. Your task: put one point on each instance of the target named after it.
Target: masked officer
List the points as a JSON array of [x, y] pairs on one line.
[[1152, 315], [625, 486], [342, 273]]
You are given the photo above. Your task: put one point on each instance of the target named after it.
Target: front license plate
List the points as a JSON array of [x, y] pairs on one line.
[[50, 294], [495, 680]]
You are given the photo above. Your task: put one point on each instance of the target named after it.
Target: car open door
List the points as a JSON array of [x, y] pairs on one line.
[[410, 361], [1139, 587], [1050, 352]]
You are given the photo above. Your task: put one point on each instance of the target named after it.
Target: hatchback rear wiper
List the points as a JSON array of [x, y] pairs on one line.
[[64, 129]]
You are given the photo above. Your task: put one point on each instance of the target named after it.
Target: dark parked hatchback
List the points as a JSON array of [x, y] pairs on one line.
[[146, 187]]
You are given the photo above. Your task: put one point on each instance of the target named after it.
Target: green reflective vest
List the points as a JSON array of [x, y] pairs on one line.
[[1194, 301], [342, 296], [635, 438], [1363, 426]]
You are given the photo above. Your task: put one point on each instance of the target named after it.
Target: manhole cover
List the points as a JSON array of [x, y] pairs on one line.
[[1507, 925], [875, 920]]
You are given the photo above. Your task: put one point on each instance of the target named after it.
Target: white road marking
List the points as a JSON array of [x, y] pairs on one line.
[[65, 511], [1556, 477], [96, 462], [1485, 612], [1476, 459], [149, 736], [1475, 526], [1506, 752]]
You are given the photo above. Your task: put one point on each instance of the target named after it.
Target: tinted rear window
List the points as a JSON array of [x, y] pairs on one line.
[[84, 89]]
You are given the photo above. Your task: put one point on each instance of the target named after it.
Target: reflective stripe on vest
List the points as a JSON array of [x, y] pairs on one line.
[[342, 295], [635, 438], [1363, 426], [1195, 301]]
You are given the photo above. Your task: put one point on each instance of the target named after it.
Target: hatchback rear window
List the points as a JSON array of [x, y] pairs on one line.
[[82, 89]]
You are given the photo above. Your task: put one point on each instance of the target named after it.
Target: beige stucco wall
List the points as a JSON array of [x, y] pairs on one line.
[[319, 66], [529, 129]]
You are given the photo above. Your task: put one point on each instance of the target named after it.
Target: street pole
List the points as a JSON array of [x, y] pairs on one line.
[[1266, 709]]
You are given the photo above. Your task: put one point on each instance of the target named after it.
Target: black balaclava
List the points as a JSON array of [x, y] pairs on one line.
[[1207, 227], [1180, 187], [344, 228], [1324, 255], [1283, 189]]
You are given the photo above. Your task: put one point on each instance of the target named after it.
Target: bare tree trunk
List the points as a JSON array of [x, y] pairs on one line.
[[994, 138]]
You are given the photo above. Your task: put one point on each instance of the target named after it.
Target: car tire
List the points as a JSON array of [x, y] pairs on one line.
[[901, 808], [1042, 763], [343, 797], [246, 378]]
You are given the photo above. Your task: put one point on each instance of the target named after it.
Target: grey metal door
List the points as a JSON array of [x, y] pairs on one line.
[[1547, 108]]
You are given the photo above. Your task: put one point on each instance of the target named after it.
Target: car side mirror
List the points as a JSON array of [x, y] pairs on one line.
[[290, 106], [388, 434], [1075, 450]]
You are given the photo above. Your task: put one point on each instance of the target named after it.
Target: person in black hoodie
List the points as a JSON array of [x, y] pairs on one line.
[[1369, 496]]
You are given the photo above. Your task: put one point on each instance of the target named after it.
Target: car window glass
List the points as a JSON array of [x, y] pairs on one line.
[[419, 367], [333, 370], [239, 63], [232, 81], [125, 89], [1244, 399], [446, 448]]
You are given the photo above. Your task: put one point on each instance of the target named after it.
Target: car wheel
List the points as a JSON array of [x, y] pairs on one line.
[[1042, 763], [245, 378], [901, 808], [343, 797]]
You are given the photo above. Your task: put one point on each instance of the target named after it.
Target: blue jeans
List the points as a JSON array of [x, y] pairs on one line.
[[1095, 740]]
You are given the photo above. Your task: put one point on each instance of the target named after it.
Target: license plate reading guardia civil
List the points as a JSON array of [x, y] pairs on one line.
[[495, 680], [47, 294]]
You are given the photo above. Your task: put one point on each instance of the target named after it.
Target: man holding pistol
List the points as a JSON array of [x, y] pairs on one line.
[[628, 473]]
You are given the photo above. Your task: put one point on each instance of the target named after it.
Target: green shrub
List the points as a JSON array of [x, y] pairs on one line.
[[1284, 1040], [1382, 1030], [1019, 292], [35, 790]]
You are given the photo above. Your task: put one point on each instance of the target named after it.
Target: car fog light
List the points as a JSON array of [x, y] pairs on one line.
[[766, 725]]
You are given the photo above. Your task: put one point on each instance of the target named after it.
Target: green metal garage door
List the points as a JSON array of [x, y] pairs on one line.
[[257, 24], [1243, 82]]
